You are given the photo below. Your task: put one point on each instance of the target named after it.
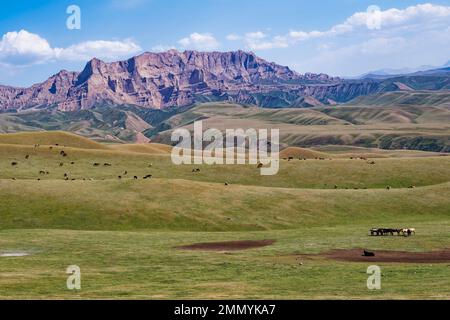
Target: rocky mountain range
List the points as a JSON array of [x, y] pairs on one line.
[[176, 79], [172, 78]]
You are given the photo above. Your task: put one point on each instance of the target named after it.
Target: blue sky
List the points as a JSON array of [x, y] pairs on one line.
[[341, 38]]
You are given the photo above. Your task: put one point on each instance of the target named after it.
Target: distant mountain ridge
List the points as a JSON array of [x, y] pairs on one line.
[[177, 79], [391, 73], [159, 80]]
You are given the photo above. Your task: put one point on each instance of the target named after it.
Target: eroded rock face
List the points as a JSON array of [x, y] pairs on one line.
[[172, 78]]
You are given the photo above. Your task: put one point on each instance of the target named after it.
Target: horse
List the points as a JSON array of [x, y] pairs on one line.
[[407, 232]]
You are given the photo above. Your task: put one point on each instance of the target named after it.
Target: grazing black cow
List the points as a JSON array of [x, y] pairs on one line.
[[41, 172], [226, 183], [384, 231], [14, 163], [260, 165], [148, 176], [27, 156], [135, 177], [120, 177], [368, 254], [107, 164], [96, 164], [66, 175], [61, 164], [389, 231], [125, 173], [72, 162]]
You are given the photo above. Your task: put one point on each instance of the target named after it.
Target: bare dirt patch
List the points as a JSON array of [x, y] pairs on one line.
[[228, 245], [356, 255]]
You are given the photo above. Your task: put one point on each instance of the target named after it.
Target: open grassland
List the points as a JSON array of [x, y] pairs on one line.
[[154, 148], [145, 265], [402, 126], [321, 174], [122, 232], [187, 205]]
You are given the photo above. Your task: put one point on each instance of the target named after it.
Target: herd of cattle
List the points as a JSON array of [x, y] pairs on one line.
[[96, 164], [406, 232]]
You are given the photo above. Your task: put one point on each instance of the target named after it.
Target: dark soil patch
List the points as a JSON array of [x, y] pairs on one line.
[[228, 245], [356, 255]]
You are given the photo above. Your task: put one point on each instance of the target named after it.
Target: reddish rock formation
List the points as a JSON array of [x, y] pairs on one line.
[[172, 78]]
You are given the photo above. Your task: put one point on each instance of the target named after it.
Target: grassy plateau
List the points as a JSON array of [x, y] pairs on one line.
[[66, 200]]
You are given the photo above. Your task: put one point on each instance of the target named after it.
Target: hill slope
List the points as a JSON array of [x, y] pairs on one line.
[[50, 138], [35, 193]]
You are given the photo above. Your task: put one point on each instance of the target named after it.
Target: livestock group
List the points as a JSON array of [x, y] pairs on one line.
[[406, 232]]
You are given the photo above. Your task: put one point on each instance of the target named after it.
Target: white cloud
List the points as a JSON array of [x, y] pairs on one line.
[[24, 48], [264, 44], [377, 53], [108, 50], [422, 17], [258, 35], [303, 36], [259, 40], [162, 48], [426, 15], [368, 40], [199, 41], [233, 37], [393, 38]]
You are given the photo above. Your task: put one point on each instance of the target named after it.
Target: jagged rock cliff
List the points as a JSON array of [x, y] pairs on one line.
[[172, 78]]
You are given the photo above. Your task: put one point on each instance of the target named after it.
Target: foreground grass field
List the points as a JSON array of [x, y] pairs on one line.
[[123, 233], [145, 265]]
